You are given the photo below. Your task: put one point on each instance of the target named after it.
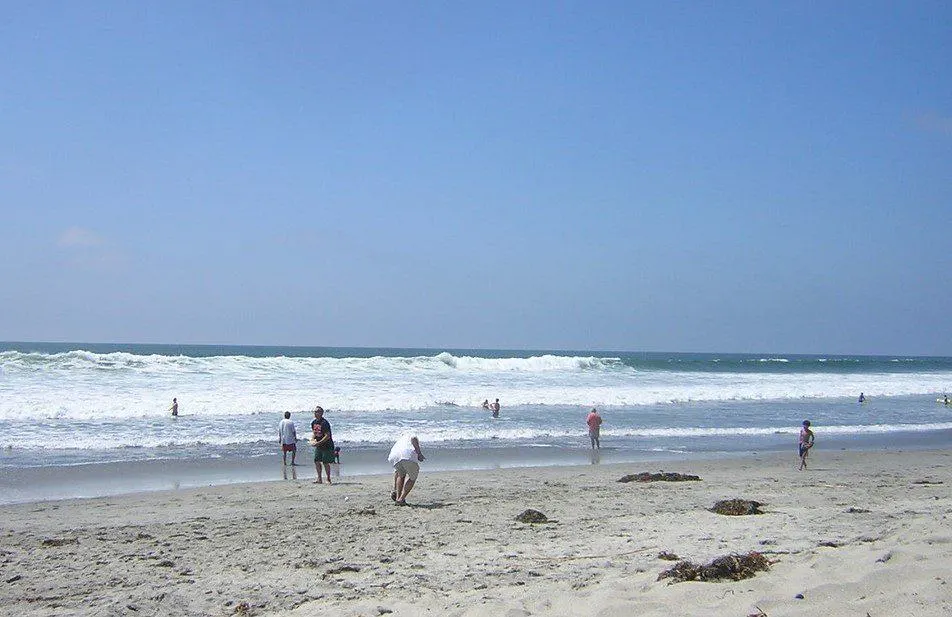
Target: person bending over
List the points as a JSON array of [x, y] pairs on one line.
[[405, 456]]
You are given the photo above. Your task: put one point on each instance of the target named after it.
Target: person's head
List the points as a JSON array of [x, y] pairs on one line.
[[174, 400], [497, 400], [318, 412], [287, 415], [806, 424], [594, 410]]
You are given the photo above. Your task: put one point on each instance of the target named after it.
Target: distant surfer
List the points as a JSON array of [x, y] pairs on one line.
[[495, 408], [806, 443], [862, 397], [946, 399], [486, 404], [174, 408]]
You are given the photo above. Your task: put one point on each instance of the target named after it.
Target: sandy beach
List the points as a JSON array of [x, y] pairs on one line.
[[859, 533]]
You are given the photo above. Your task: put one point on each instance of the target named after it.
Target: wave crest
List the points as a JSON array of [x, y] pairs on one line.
[[80, 360]]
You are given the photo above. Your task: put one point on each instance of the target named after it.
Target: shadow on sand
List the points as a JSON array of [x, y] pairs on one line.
[[428, 506]]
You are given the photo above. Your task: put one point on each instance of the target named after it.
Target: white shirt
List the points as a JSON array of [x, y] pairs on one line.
[[403, 450], [287, 432]]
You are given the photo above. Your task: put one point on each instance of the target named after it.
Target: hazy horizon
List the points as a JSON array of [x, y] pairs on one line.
[[450, 348]]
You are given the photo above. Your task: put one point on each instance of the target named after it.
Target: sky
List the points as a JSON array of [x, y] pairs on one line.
[[658, 176]]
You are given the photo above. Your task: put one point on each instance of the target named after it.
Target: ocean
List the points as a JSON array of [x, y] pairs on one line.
[[85, 405]]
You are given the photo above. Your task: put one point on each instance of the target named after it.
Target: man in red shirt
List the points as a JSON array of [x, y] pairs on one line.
[[594, 422]]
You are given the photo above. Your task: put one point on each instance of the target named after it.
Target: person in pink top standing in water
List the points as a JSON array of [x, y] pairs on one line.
[[594, 422]]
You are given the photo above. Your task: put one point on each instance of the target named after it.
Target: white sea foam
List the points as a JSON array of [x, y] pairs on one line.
[[198, 437], [865, 429], [521, 434], [110, 401], [89, 386]]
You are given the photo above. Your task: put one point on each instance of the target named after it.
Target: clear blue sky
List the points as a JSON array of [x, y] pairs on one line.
[[731, 176]]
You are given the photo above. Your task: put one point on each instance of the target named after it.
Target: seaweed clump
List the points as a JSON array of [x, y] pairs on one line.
[[644, 476], [737, 507], [59, 541], [728, 567], [532, 516]]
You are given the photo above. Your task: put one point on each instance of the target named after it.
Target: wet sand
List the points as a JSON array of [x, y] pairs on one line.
[[103, 479]]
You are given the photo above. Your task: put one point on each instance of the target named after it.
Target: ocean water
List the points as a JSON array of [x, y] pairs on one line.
[[67, 405]]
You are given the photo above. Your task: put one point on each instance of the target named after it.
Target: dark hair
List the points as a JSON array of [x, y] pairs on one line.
[[287, 414], [806, 423]]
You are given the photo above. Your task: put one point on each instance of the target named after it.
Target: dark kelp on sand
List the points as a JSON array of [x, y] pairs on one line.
[[728, 567], [737, 507], [644, 476], [532, 516]]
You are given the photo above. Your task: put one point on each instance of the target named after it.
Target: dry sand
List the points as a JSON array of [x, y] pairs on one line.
[[865, 533]]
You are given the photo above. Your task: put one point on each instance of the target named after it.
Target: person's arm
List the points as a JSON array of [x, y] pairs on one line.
[[326, 436], [416, 446]]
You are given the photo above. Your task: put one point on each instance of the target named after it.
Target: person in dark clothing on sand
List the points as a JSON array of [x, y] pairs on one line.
[[323, 442], [806, 443]]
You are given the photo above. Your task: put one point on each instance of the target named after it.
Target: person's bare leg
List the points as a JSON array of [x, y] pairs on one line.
[[293, 456], [317, 467], [398, 479], [327, 471], [407, 487]]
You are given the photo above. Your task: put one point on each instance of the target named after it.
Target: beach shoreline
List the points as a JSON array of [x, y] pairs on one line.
[[22, 484], [857, 532]]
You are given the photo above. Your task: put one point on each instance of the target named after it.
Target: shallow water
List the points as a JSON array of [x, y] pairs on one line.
[[66, 405]]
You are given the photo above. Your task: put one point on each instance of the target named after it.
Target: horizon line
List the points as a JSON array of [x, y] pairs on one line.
[[477, 349]]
